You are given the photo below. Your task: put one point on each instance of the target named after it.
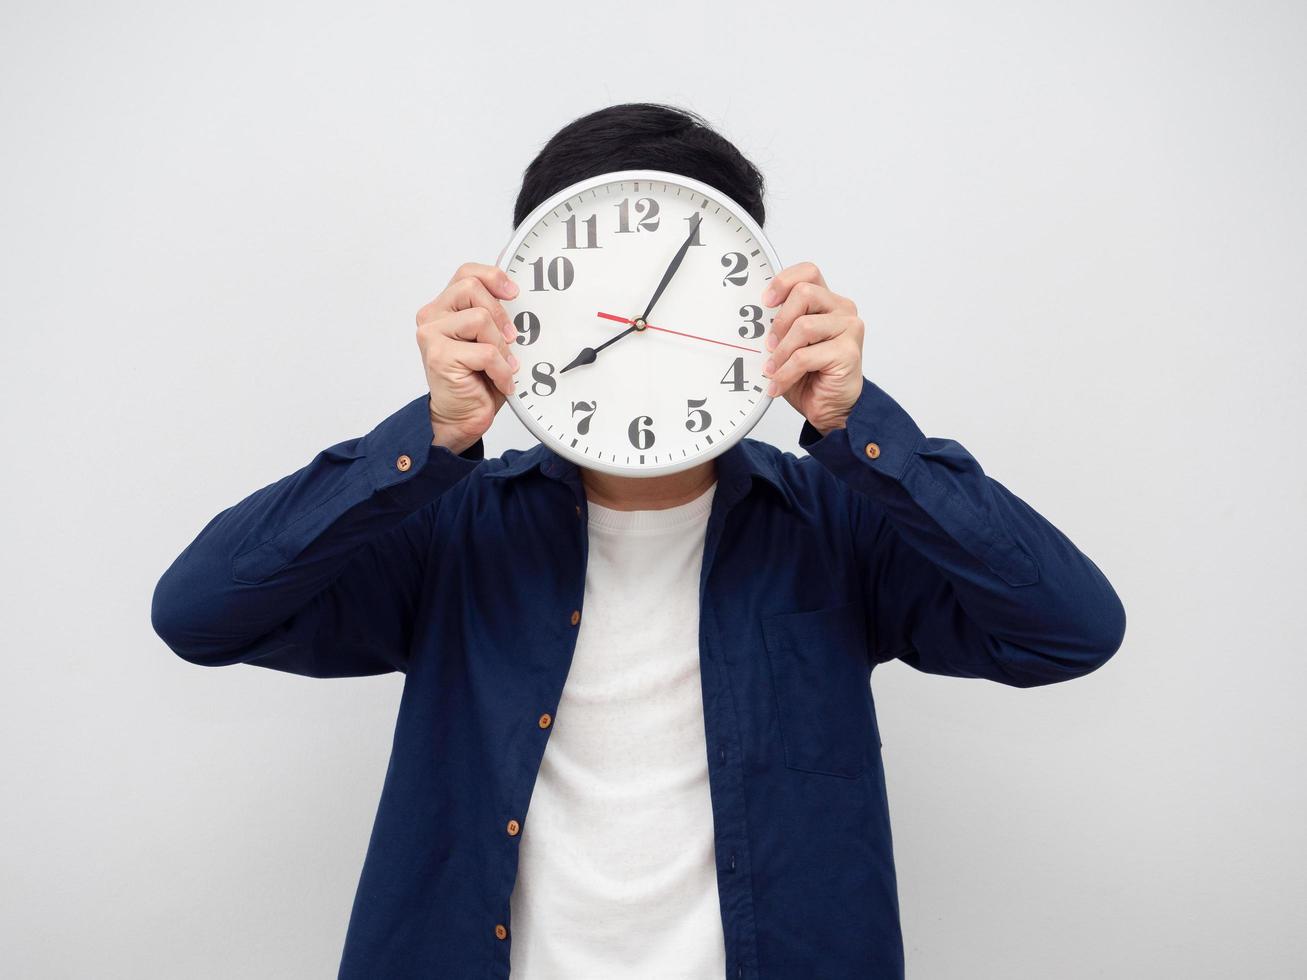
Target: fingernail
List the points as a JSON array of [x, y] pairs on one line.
[[771, 390], [510, 287], [512, 361], [768, 297], [768, 367], [772, 341]]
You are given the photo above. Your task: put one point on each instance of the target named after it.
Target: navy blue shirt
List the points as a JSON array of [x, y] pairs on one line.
[[385, 553]]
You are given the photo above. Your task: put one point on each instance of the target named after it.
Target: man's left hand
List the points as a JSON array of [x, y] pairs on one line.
[[816, 347]]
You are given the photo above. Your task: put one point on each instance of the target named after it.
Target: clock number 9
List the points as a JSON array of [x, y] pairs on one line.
[[738, 265], [560, 274], [694, 408], [545, 382], [528, 328], [638, 432]]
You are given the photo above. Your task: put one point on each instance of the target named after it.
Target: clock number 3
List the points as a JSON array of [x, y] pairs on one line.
[[752, 328]]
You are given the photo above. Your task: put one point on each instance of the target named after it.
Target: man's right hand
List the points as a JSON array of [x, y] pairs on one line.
[[466, 340]]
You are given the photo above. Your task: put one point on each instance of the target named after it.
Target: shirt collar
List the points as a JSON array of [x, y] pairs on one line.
[[737, 468]]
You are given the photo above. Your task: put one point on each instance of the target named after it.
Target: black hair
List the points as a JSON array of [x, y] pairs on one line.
[[640, 136]]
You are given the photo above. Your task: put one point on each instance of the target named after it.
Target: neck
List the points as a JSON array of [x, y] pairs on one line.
[[648, 493]]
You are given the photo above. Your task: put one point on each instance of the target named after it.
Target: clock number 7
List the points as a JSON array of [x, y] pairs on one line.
[[583, 427]]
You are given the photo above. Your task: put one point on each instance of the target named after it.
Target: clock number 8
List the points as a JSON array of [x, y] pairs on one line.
[[545, 382]]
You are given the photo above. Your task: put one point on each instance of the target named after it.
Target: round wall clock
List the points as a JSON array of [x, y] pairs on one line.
[[640, 323]]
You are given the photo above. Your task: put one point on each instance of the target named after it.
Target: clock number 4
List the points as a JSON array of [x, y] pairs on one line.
[[734, 376], [559, 274]]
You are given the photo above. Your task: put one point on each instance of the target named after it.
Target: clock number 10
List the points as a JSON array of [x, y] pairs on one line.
[[559, 274]]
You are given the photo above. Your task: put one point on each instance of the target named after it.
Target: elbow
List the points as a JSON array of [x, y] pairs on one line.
[[174, 621]]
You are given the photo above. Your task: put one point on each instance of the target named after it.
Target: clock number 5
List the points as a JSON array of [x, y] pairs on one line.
[[559, 274], [698, 414]]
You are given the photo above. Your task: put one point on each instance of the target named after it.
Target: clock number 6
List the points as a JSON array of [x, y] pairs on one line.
[[639, 433]]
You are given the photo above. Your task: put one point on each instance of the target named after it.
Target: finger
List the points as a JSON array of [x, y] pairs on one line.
[[787, 279], [487, 359], [815, 357], [476, 325], [811, 328], [804, 298], [494, 278], [462, 294]]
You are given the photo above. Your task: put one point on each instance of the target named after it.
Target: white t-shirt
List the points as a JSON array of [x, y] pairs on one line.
[[616, 876]]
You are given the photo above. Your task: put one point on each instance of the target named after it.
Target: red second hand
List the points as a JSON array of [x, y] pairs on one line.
[[708, 340]]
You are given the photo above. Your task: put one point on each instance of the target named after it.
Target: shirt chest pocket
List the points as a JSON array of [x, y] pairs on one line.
[[822, 681]]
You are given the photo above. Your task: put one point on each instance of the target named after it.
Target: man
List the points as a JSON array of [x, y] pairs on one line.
[[637, 739]]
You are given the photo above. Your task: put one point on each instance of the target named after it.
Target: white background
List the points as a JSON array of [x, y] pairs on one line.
[[1075, 230]]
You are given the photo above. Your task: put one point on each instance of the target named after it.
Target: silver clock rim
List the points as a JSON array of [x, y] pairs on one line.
[[554, 202]]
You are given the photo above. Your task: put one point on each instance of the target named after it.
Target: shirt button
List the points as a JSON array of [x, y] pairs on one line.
[[513, 828], [576, 616], [500, 931], [578, 510], [546, 720], [872, 450], [403, 464]]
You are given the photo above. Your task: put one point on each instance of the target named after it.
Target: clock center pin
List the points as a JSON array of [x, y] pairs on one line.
[[639, 323]]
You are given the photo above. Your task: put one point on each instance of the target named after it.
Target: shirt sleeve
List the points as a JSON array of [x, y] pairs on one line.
[[962, 577], [318, 573]]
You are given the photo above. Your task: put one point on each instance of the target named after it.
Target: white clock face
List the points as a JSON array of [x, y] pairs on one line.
[[623, 368]]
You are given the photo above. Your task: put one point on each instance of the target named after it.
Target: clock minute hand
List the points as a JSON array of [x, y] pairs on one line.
[[671, 269], [588, 354]]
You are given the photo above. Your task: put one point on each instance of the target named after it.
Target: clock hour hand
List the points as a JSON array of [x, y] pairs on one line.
[[588, 354], [671, 269]]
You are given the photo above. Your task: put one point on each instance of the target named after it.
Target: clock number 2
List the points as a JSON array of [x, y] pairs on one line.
[[560, 274], [738, 266]]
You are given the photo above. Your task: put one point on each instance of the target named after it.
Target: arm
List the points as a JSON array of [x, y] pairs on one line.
[[319, 572], [962, 577]]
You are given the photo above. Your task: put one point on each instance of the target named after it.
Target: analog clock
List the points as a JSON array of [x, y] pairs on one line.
[[640, 324]]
